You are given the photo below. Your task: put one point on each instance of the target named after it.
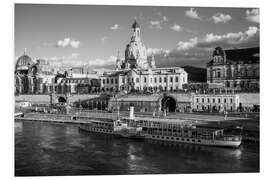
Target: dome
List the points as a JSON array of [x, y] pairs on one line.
[[218, 52], [135, 25], [23, 62]]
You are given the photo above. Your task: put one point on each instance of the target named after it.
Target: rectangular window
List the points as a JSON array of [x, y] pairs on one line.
[[155, 80], [197, 100], [160, 79], [213, 100], [202, 100], [171, 79], [208, 100], [218, 100], [103, 81], [144, 79], [112, 81], [231, 100], [150, 80], [123, 80], [108, 81], [176, 79], [224, 100], [116, 81], [137, 80], [165, 79]]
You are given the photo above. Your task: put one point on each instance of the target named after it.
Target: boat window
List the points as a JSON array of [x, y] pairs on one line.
[[187, 139], [162, 137], [177, 138], [193, 140], [182, 139], [172, 137], [199, 140], [167, 137], [153, 136], [157, 136]]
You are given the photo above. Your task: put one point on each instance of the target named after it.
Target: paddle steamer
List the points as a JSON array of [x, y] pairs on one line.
[[166, 130]]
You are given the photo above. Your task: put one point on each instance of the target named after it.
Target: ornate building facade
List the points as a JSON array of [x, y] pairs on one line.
[[215, 102], [136, 72], [32, 77], [236, 69]]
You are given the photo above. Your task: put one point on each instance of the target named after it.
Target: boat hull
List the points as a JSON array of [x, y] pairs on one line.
[[206, 142], [174, 139]]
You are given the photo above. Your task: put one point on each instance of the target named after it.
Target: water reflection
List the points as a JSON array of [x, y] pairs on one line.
[[59, 149]]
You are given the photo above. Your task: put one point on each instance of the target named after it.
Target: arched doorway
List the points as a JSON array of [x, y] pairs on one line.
[[168, 103], [61, 99]]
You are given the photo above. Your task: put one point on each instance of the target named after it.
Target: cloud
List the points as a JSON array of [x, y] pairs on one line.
[[114, 27], [176, 28], [155, 24], [75, 44], [249, 37], [187, 45], [192, 13], [65, 61], [221, 18], [64, 58], [151, 51], [68, 42], [165, 19], [253, 15], [103, 39], [102, 62]]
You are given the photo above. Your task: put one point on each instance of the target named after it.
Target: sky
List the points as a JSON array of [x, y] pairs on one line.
[[88, 35]]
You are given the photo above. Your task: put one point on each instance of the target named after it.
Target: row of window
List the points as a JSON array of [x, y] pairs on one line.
[[248, 73], [75, 81], [213, 108], [176, 138], [213, 100], [130, 80], [155, 88]]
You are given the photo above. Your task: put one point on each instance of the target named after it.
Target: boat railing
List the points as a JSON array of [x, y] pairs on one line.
[[229, 138]]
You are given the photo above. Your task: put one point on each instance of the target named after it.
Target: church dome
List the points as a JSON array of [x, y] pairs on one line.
[[218, 52], [23, 62]]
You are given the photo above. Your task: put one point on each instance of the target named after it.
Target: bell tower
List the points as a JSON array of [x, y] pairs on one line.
[[136, 30]]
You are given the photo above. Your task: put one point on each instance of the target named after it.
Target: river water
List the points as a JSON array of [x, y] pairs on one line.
[[61, 149]]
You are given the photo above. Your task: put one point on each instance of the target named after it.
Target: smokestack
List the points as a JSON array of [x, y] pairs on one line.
[[131, 112]]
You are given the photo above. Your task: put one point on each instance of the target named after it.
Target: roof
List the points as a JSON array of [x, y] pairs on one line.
[[246, 55]]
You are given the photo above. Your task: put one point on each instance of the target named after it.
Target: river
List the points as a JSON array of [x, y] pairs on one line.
[[49, 149]]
